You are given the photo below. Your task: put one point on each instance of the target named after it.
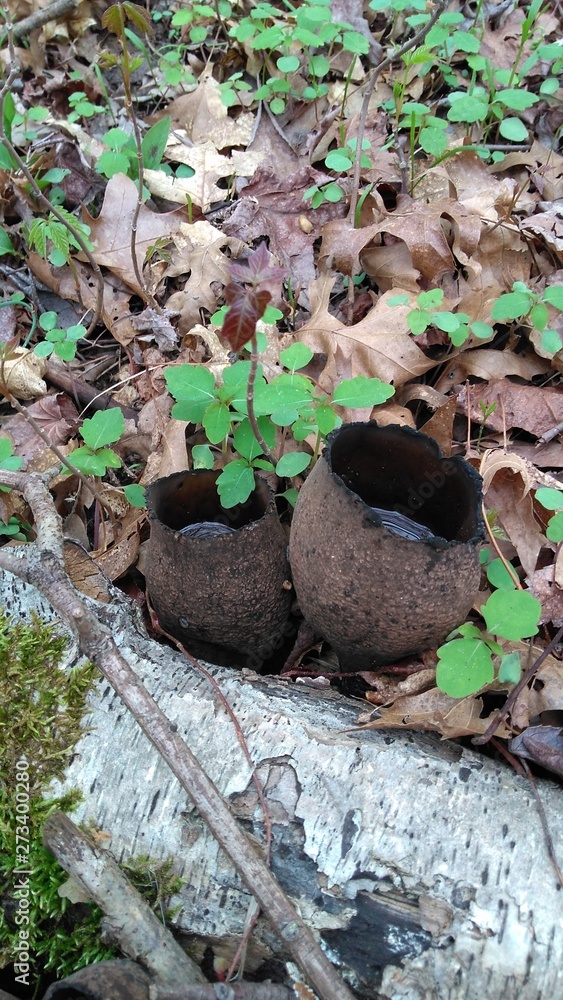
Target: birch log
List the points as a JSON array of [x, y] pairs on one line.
[[419, 864]]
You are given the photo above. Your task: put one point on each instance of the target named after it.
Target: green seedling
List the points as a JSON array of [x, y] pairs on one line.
[[53, 239], [457, 325], [121, 155], [465, 665], [94, 458], [57, 341], [341, 161], [523, 304], [82, 107]]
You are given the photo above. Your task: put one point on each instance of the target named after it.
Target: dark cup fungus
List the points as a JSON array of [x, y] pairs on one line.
[[217, 575], [384, 543]]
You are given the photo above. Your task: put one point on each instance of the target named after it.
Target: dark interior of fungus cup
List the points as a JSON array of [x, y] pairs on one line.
[[190, 498], [399, 469]]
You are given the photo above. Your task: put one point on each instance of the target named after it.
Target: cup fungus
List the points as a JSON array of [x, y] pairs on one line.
[[216, 575], [384, 543]]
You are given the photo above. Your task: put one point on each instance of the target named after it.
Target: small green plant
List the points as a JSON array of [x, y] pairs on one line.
[[82, 107], [465, 664], [457, 325], [248, 409], [289, 40], [552, 500], [94, 458], [341, 160], [121, 155], [523, 304], [53, 239], [57, 341]]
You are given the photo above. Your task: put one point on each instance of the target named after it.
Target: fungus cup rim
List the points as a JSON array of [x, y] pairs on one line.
[[227, 515], [463, 467]]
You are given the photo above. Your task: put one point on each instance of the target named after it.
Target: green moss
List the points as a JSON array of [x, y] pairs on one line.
[[41, 714]]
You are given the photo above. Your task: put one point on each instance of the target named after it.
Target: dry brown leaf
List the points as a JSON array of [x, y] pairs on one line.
[[440, 426], [543, 585], [210, 167], [110, 233], [200, 252], [22, 374], [420, 226], [489, 364], [122, 555], [273, 206], [379, 346], [507, 480], [435, 712], [532, 408], [204, 118]]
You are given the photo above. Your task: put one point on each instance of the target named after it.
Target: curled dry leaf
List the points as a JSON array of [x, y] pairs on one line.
[[203, 252], [202, 117], [22, 374], [433, 711]]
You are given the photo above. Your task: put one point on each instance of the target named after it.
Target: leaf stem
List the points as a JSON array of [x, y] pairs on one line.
[[250, 401]]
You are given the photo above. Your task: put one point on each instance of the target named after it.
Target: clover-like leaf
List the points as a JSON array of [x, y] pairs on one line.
[[512, 614], [464, 667]]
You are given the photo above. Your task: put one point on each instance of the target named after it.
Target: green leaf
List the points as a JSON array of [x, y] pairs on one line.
[[353, 41], [512, 614], [327, 419], [418, 321], [467, 108], [43, 350], [296, 356], [65, 350], [236, 483], [539, 316], [105, 427], [7, 458], [286, 392], [446, 321], [499, 576], [270, 38], [194, 388], [288, 64], [510, 669], [48, 320], [135, 494], [110, 163], [512, 305], [246, 444], [549, 498], [433, 140], [554, 530], [513, 129], [93, 463], [6, 245], [290, 495], [217, 422], [398, 300], [551, 341], [516, 100], [292, 464], [154, 143], [332, 192], [202, 456], [361, 391], [554, 296], [481, 330], [464, 667]]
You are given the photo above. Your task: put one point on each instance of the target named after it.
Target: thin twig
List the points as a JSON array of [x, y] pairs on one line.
[[57, 9], [543, 820], [388, 61], [42, 565]]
